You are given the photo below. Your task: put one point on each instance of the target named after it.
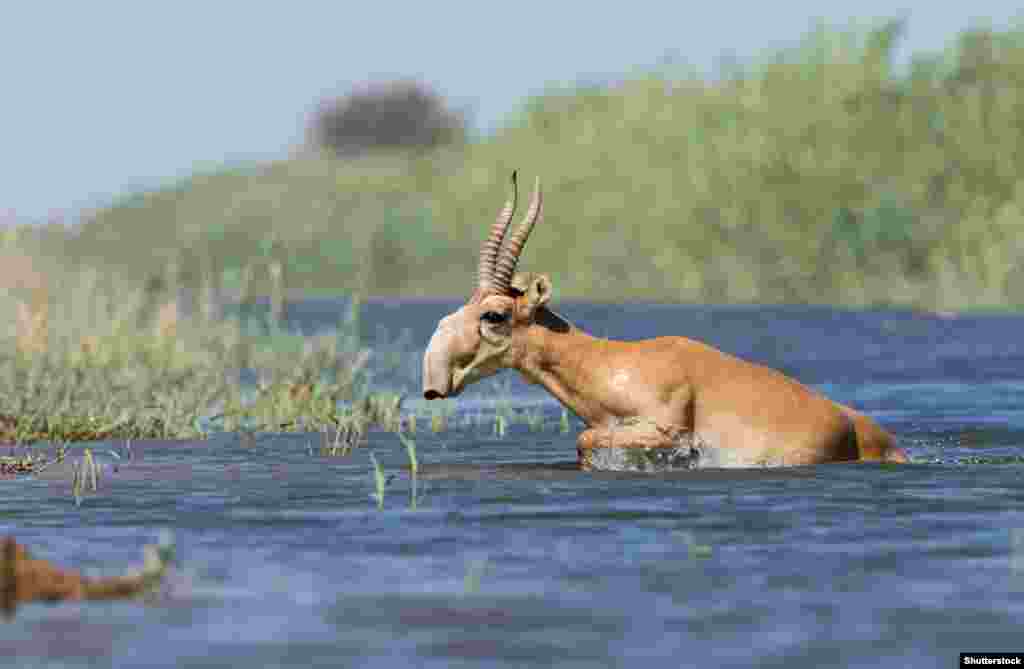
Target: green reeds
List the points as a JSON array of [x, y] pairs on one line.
[[503, 411], [381, 481], [414, 468], [378, 481], [474, 576], [694, 549], [534, 419], [106, 358], [86, 477], [438, 421], [348, 434]]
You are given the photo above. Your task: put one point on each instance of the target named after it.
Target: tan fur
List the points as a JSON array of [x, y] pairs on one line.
[[752, 415], [25, 579], [744, 413]]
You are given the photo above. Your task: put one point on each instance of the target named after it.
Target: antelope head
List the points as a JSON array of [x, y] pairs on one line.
[[477, 341]]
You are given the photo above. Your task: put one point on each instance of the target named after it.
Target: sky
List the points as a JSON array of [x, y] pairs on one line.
[[100, 98]]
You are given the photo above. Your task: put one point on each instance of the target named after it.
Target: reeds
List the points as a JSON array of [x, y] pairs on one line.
[[106, 357], [86, 477], [414, 470], [378, 482]]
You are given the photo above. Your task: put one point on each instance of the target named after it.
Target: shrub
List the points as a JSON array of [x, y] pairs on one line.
[[404, 115]]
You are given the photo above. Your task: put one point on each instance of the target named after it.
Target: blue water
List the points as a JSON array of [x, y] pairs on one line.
[[506, 557]]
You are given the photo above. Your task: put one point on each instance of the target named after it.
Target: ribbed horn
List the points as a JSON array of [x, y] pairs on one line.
[[506, 265], [492, 245]]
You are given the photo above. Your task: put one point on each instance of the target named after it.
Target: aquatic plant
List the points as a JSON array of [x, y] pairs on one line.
[[348, 434], [438, 421], [114, 359], [534, 419], [474, 575], [414, 468], [86, 477], [378, 482]]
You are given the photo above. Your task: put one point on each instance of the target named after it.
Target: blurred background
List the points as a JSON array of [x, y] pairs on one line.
[[807, 153]]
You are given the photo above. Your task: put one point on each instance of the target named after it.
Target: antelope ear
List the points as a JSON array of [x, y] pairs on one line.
[[532, 291]]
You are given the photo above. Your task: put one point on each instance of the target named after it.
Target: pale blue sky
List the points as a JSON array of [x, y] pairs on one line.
[[101, 97]]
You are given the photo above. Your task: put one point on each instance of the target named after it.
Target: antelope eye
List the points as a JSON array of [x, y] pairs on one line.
[[494, 317]]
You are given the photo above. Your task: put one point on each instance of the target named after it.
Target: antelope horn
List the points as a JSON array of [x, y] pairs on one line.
[[491, 246], [506, 265]]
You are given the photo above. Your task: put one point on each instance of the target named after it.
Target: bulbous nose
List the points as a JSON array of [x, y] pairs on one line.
[[436, 375]]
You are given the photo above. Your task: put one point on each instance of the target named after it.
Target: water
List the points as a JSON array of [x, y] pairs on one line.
[[507, 557]]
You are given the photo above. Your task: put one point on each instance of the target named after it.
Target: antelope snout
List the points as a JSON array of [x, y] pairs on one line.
[[436, 379]]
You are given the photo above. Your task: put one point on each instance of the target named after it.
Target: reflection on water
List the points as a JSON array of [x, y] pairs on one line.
[[512, 557]]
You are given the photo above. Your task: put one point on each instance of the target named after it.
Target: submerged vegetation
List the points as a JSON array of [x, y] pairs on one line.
[[826, 173]]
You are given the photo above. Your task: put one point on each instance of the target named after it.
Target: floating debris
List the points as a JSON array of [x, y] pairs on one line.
[[24, 578], [11, 466]]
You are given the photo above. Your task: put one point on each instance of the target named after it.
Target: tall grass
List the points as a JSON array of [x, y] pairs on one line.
[[821, 174], [90, 355]]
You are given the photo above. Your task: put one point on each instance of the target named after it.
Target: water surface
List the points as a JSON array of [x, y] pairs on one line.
[[508, 557]]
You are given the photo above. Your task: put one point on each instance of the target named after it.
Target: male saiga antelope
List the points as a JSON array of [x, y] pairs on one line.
[[649, 394]]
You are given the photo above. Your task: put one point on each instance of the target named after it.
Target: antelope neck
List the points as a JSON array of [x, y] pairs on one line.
[[554, 353]]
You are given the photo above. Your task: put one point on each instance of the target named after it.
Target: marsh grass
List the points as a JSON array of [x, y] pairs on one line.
[[474, 576], [534, 419], [438, 421], [93, 356], [348, 434], [379, 482], [414, 469], [86, 477]]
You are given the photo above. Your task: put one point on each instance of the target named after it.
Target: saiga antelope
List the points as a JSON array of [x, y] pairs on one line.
[[649, 394]]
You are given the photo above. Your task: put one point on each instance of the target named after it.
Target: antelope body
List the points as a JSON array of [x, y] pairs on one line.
[[649, 394]]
